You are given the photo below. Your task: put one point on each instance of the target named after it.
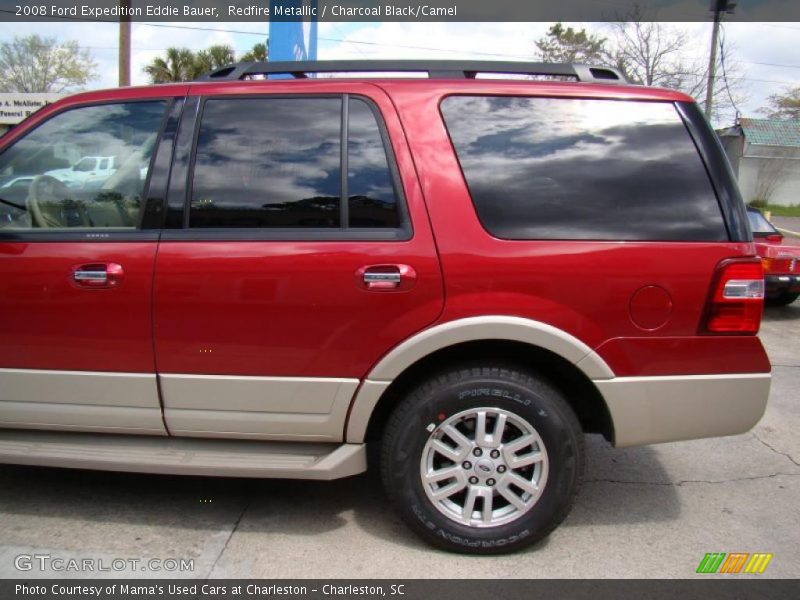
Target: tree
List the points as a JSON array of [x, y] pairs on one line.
[[212, 58], [785, 105], [36, 64], [571, 46], [259, 53], [177, 65], [651, 53], [181, 64], [647, 52]]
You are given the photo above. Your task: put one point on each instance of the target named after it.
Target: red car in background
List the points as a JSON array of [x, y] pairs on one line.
[[780, 257]]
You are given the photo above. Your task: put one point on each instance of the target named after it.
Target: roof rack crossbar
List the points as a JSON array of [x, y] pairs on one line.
[[436, 69]]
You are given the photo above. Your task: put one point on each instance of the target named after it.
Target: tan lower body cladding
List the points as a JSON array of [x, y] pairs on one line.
[[648, 410], [267, 408]]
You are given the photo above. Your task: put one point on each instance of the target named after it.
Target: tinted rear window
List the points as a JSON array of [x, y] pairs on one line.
[[370, 189], [547, 168]]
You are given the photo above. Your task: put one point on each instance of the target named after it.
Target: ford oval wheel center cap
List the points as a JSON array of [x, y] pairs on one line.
[[485, 467]]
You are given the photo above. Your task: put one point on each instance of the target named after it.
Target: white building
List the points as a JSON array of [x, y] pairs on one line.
[[765, 155], [15, 107]]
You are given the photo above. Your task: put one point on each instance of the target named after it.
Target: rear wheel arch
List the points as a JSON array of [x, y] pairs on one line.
[[572, 375]]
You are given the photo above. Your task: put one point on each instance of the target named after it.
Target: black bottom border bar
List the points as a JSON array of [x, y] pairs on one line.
[[728, 588]]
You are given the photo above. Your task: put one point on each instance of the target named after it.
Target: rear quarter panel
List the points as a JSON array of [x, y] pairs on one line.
[[581, 287]]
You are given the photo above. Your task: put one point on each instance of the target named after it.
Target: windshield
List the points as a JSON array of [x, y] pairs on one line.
[[85, 164], [759, 224]]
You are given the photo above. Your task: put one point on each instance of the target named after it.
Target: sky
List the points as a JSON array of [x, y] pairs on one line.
[[767, 53]]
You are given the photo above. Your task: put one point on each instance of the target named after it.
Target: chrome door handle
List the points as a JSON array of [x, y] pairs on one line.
[[386, 278], [98, 275], [393, 278], [90, 277]]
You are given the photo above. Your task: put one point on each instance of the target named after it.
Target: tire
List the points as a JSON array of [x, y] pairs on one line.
[[782, 299], [418, 449]]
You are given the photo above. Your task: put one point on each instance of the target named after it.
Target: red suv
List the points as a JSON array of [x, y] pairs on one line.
[[780, 258], [466, 273]]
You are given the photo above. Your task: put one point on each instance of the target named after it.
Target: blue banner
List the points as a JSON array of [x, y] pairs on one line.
[[295, 37]]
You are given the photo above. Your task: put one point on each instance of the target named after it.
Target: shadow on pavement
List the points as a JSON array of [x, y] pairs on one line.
[[624, 486], [305, 508]]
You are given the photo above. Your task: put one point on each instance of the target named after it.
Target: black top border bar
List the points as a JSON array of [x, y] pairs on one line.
[[438, 69], [417, 11]]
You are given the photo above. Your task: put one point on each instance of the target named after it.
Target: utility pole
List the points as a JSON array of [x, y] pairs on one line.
[[124, 44], [717, 7]]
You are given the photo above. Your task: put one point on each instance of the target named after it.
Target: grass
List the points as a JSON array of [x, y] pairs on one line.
[[781, 211]]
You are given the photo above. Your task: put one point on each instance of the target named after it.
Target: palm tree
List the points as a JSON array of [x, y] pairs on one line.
[[212, 58], [177, 65], [259, 53], [181, 64]]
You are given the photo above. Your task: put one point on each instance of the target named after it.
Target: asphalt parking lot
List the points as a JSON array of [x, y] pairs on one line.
[[790, 223], [642, 512]]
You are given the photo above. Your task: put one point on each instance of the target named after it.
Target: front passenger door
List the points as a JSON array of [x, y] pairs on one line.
[[76, 270]]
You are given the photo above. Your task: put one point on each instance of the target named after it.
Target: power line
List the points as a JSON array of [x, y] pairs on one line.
[[409, 47], [476, 52], [326, 39], [690, 74], [771, 81], [333, 39], [404, 46], [323, 38], [753, 62], [336, 28], [116, 48], [381, 44], [724, 71], [779, 26], [195, 28]]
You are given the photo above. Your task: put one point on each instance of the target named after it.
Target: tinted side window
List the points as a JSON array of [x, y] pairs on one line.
[[50, 179], [545, 168], [371, 195], [268, 162]]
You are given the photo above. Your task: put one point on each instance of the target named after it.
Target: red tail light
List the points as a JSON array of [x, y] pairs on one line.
[[737, 298]]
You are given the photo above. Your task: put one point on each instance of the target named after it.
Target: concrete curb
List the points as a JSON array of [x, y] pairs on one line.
[[788, 232]]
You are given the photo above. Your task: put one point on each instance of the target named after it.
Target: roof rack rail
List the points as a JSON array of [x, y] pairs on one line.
[[438, 69]]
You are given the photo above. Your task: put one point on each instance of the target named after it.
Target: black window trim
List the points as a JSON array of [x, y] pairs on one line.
[[110, 234], [719, 171], [343, 233], [155, 191], [182, 158], [344, 158], [688, 116]]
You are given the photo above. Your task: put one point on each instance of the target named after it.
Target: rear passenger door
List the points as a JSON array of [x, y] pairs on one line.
[[297, 252]]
